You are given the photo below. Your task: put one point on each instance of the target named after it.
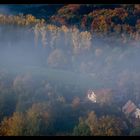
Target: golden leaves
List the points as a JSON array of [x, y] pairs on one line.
[[18, 19]]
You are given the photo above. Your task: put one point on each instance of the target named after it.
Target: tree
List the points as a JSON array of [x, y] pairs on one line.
[[34, 122], [81, 129], [37, 120], [23, 82], [75, 102], [105, 125], [135, 132], [13, 126], [8, 102], [57, 59], [61, 99], [104, 96], [110, 126], [92, 122]]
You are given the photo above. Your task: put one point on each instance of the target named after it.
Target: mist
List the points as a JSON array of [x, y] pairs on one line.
[[103, 62], [47, 71]]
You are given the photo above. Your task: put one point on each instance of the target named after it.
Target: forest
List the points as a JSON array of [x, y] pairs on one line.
[[50, 60]]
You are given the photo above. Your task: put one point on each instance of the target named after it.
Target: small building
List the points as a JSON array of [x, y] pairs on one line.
[[91, 96], [129, 108], [137, 113]]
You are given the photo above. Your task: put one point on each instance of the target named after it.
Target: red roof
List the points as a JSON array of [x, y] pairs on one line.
[[129, 107]]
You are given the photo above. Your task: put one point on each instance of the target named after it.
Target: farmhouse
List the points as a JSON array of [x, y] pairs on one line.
[[130, 109], [99, 95], [91, 96], [137, 113]]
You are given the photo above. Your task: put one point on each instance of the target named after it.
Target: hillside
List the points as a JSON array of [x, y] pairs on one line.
[[99, 18], [53, 58]]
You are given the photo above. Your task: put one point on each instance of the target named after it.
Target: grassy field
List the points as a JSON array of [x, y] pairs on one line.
[[54, 75]]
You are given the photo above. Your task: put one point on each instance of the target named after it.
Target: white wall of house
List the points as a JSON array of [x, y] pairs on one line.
[[92, 97], [137, 113]]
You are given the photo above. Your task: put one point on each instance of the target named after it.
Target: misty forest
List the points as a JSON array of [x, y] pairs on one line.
[[70, 70]]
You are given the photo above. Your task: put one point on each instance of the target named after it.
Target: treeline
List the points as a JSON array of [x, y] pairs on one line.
[[31, 107]]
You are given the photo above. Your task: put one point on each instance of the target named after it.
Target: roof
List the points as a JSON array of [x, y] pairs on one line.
[[103, 91], [129, 107]]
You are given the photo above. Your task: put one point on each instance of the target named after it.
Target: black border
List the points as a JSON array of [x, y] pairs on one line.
[[69, 1], [72, 2]]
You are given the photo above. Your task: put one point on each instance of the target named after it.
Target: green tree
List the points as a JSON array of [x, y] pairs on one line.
[[8, 102], [135, 132], [92, 122]]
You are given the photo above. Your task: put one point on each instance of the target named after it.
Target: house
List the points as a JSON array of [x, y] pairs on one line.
[[137, 113], [99, 95], [91, 96], [129, 108]]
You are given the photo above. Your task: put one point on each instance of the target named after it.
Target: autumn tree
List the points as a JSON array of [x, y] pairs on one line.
[[57, 59], [92, 122], [110, 126], [37, 120], [76, 102], [13, 126], [104, 96], [105, 125], [34, 122], [82, 129], [22, 83]]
